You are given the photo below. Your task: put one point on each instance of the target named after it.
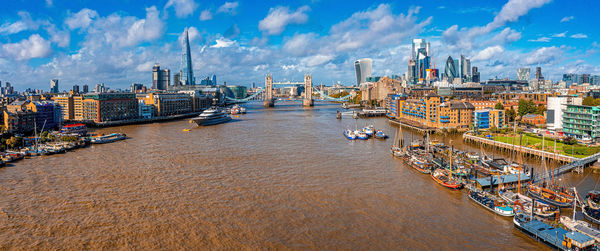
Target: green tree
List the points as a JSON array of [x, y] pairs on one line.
[[14, 142], [526, 107], [589, 100], [511, 115], [499, 106], [541, 109]]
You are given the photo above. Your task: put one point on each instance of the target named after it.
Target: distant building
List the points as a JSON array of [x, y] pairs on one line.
[[538, 73], [524, 74], [75, 89], [214, 79], [166, 104], [580, 122], [465, 68], [100, 88], [160, 78], [450, 71], [86, 89], [488, 118], [54, 86], [104, 107], [476, 77], [135, 87], [363, 68]]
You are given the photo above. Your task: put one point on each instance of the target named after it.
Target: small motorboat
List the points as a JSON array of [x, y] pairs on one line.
[[363, 136], [369, 130], [380, 135], [349, 134]]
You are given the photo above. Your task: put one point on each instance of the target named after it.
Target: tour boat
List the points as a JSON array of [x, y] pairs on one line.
[[497, 206], [522, 203], [551, 196], [349, 134], [556, 238], [106, 138], [211, 116], [380, 135], [593, 199], [443, 178]]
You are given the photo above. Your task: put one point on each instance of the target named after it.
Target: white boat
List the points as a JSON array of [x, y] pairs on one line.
[[369, 130], [211, 116], [108, 138], [349, 134], [581, 226], [522, 203]]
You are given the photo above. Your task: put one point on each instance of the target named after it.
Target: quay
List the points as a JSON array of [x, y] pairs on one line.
[[407, 124], [527, 151], [140, 120]]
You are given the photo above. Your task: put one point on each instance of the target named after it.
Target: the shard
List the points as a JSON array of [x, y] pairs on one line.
[[187, 74]]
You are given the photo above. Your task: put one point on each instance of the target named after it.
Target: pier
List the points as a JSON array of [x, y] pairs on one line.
[[527, 151]]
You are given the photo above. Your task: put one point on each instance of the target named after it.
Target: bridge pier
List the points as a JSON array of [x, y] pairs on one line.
[[269, 101], [308, 101]]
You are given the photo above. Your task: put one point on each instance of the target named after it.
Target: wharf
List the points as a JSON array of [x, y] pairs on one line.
[[142, 121], [527, 151], [413, 126]]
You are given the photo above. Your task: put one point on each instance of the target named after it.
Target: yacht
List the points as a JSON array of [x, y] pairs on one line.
[[211, 116]]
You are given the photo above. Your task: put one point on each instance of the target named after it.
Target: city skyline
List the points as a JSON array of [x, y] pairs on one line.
[[92, 43]]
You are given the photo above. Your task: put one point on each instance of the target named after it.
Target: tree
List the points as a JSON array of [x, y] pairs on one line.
[[541, 109], [14, 142], [499, 106], [591, 101], [526, 107], [511, 115]]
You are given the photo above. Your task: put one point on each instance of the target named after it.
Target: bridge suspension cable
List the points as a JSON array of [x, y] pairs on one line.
[[330, 98], [247, 98]]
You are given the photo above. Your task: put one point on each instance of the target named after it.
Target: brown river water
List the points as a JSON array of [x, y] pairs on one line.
[[282, 178]]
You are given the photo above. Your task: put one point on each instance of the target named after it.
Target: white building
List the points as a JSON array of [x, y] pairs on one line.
[[555, 107], [363, 68]]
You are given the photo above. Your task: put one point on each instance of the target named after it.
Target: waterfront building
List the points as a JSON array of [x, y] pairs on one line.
[[455, 115], [363, 68], [581, 122], [160, 78], [555, 107], [186, 75], [450, 70], [488, 118], [422, 110], [18, 118], [378, 91], [200, 101], [104, 107], [54, 86], [524, 74], [66, 106], [145, 111], [45, 115], [166, 104], [533, 119]]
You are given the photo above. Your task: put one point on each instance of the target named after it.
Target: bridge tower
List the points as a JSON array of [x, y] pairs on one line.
[[268, 102], [307, 101]]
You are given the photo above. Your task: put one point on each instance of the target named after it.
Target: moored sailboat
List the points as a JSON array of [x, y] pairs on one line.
[[444, 178], [495, 205]]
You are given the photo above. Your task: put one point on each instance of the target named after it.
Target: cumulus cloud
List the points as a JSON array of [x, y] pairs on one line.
[[12, 28], [299, 44], [567, 19], [579, 35], [33, 47], [119, 31], [81, 19], [563, 34], [488, 53], [205, 15], [183, 8], [278, 18], [193, 34], [222, 43], [544, 55], [229, 8]]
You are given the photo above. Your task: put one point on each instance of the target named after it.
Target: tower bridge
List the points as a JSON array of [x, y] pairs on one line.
[[307, 100]]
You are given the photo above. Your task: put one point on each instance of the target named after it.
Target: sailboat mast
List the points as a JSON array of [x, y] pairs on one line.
[[520, 148], [554, 162]]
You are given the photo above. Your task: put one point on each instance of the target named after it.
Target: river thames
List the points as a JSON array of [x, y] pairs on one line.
[[280, 178]]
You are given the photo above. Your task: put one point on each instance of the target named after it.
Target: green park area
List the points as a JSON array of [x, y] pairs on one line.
[[567, 147]]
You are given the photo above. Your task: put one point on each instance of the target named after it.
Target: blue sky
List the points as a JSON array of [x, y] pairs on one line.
[[117, 42]]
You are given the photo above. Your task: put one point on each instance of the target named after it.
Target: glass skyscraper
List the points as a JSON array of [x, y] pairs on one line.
[[450, 70], [187, 74], [363, 68]]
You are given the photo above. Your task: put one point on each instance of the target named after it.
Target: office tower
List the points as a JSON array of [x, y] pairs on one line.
[[450, 70], [538, 73], [523, 74], [465, 67], [135, 87], [476, 78], [75, 89], [160, 78], [585, 78], [54, 86], [100, 88], [412, 71], [187, 74], [363, 69], [177, 79], [214, 79], [422, 56], [86, 88]]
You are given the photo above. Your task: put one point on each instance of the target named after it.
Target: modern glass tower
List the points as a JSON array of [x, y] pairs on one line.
[[450, 70], [187, 74], [363, 69]]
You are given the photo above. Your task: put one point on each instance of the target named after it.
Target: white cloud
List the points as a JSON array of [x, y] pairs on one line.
[[567, 19], [60, 37], [579, 35], [513, 10], [81, 19], [205, 15], [193, 34], [12, 28], [222, 43], [563, 34], [540, 39], [544, 55], [488, 53], [299, 44], [118, 31], [316, 60], [145, 67], [33, 47], [228, 7], [278, 18], [183, 8]]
